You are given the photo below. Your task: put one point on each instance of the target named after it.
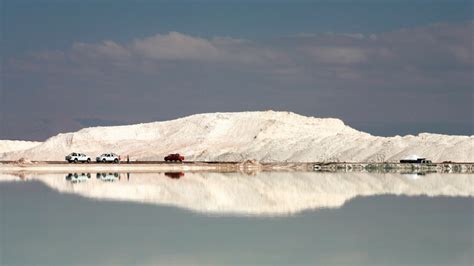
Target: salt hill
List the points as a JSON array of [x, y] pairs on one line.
[[16, 145], [266, 136]]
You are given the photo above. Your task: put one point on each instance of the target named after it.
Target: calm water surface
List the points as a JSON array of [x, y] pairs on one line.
[[232, 219]]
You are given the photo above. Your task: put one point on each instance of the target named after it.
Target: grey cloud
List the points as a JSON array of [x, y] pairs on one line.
[[419, 53], [173, 46], [338, 55], [176, 46], [423, 54], [451, 43], [107, 49]]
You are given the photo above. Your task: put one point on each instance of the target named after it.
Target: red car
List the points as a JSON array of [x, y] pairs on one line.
[[175, 157]]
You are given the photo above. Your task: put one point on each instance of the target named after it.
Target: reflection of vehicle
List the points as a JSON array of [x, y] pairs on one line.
[[174, 175], [108, 158], [78, 157], [175, 157], [76, 178], [415, 159], [108, 177]]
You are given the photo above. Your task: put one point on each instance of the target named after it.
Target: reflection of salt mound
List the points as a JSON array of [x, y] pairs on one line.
[[11, 178], [250, 167], [263, 194], [412, 157], [413, 176], [265, 136]]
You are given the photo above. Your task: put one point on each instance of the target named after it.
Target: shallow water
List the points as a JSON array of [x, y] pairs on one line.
[[232, 219]]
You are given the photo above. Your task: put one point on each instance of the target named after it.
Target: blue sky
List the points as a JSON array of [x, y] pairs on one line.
[[386, 67]]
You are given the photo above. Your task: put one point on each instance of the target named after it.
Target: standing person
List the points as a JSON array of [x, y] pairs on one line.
[[128, 159]]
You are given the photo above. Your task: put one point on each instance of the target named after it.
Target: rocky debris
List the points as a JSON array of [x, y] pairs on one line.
[[23, 161]]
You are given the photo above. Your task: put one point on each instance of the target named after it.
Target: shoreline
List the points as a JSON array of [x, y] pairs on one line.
[[59, 167], [248, 167]]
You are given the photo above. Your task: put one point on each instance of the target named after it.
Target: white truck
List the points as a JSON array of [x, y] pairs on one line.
[[108, 158], [78, 157]]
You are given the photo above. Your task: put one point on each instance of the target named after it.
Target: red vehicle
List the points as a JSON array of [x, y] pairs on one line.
[[175, 157]]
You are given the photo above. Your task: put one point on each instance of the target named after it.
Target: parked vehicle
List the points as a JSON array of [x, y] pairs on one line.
[[78, 157], [175, 157], [108, 158]]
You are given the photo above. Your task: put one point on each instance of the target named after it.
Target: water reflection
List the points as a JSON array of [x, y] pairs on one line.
[[174, 175], [108, 177], [105, 177], [267, 193], [78, 177]]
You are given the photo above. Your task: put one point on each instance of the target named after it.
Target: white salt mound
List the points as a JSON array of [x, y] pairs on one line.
[[264, 136], [17, 145]]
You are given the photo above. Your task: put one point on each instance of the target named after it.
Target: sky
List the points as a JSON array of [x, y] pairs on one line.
[[384, 67]]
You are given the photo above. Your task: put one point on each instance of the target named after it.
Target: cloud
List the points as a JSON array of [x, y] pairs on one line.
[[176, 46], [337, 55], [423, 51], [107, 49], [436, 55], [422, 46]]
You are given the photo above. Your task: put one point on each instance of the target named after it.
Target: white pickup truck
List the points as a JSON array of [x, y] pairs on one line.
[[108, 158], [78, 157]]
